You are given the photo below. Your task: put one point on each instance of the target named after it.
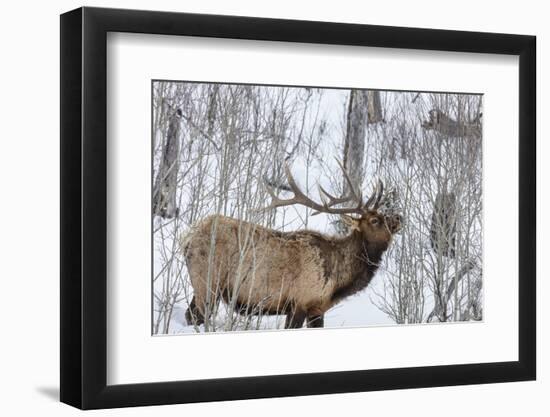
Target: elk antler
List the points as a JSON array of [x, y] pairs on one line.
[[325, 206]]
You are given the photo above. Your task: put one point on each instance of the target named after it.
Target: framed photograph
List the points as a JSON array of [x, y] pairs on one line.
[[258, 208]]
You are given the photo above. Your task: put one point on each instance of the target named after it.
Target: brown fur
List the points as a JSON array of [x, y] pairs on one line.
[[261, 271]]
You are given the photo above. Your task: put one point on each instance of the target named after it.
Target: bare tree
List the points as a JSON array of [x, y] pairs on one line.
[[164, 191]]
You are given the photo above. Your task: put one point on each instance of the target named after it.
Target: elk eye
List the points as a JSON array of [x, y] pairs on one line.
[[375, 221]]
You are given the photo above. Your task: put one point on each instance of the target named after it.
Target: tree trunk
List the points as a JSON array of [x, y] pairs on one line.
[[374, 107], [354, 145], [164, 191], [364, 108]]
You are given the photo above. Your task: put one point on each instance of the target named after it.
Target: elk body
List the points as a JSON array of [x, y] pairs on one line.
[[301, 274]]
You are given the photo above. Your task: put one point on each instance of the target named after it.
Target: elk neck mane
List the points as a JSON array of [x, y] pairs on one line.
[[364, 258]]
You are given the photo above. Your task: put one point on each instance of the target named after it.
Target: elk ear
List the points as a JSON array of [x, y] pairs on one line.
[[350, 222]]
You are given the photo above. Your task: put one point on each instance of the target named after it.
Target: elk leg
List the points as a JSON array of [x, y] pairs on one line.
[[193, 315], [316, 321], [295, 319]]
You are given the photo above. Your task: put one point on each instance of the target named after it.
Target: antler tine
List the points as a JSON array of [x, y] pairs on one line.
[[376, 196], [379, 196], [333, 200], [371, 198], [292, 182], [354, 194], [274, 199]]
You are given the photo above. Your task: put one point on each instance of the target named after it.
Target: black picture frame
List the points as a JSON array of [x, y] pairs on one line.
[[84, 207]]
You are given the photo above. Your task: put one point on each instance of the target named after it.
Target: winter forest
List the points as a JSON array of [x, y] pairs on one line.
[[271, 204]]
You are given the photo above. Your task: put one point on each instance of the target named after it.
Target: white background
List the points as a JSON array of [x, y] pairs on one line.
[[29, 174], [134, 59]]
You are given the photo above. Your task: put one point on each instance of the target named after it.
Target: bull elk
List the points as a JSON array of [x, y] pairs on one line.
[[300, 274]]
